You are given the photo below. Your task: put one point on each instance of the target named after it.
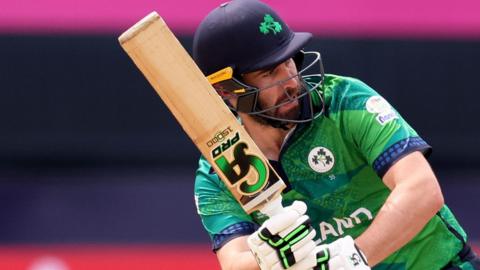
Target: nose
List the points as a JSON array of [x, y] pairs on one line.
[[288, 78]]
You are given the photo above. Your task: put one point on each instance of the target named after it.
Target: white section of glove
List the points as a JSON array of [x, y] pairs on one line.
[[341, 254]]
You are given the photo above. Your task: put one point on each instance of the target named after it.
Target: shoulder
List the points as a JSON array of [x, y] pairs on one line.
[[205, 178], [334, 81], [346, 93]]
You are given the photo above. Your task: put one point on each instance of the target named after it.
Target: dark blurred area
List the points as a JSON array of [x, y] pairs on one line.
[[89, 153], [79, 101]]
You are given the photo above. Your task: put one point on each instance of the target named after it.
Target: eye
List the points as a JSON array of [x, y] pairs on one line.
[[268, 73]]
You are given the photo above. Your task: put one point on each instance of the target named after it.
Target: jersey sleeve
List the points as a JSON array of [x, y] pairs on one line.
[[375, 127], [222, 217]]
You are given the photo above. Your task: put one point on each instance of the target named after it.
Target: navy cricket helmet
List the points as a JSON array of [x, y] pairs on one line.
[[246, 35], [243, 36]]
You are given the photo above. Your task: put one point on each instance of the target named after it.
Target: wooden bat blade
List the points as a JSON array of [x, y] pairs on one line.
[[201, 112]]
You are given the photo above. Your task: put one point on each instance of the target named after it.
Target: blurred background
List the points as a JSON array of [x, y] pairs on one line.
[[96, 174]]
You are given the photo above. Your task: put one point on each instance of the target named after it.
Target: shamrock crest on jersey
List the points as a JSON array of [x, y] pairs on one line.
[[321, 159]]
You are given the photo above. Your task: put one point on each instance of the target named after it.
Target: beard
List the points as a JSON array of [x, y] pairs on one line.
[[288, 106], [288, 111]]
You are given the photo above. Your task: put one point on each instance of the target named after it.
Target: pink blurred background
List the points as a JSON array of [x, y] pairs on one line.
[[407, 18]]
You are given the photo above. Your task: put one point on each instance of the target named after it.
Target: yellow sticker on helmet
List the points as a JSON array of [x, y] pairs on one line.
[[221, 75], [239, 91]]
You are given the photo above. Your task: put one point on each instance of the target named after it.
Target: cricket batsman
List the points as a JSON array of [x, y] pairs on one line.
[[360, 192]]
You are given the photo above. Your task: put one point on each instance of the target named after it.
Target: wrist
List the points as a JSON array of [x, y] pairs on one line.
[[362, 254]]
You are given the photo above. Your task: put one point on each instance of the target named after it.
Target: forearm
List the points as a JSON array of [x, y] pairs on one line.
[[240, 261], [409, 207], [237, 256], [398, 221]]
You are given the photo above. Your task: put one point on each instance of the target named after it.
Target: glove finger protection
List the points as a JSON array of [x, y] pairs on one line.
[[283, 239]]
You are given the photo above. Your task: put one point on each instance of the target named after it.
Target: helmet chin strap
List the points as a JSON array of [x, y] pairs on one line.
[[278, 124], [273, 123]]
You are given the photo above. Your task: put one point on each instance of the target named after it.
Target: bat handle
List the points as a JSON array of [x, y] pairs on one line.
[[273, 207]]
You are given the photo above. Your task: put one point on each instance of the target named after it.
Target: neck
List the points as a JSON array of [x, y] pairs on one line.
[[267, 138]]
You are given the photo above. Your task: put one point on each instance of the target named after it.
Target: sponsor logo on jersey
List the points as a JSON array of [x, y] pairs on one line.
[[336, 229], [321, 159], [379, 106], [385, 118]]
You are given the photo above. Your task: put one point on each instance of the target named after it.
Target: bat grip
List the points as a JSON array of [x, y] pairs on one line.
[[273, 207]]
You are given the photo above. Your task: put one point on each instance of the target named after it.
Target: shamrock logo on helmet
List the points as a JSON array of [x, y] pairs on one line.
[[269, 24]]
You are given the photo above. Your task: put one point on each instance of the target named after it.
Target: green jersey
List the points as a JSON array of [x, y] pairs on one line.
[[335, 164]]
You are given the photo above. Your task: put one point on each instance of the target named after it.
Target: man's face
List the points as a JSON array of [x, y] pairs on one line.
[[277, 93]]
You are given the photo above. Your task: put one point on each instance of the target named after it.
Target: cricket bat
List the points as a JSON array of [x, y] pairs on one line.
[[203, 115]]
